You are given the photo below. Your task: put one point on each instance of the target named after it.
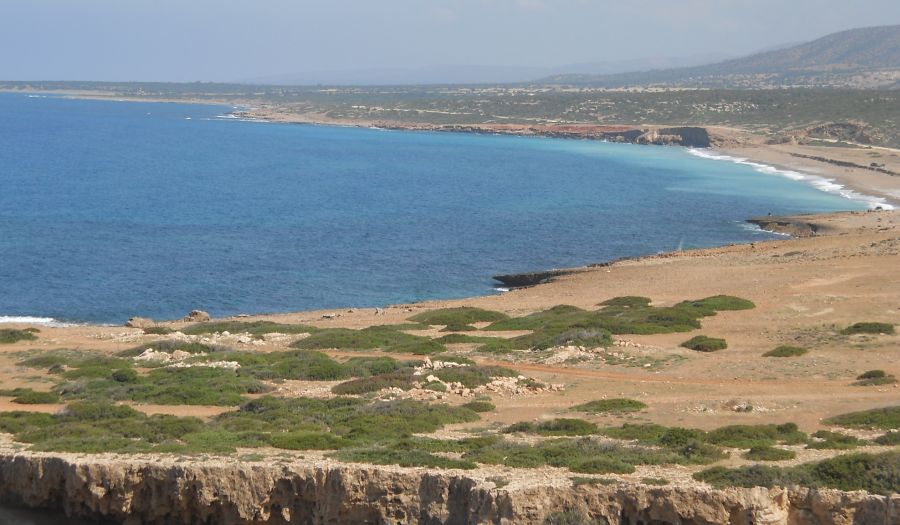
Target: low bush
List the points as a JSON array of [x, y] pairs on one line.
[[878, 418], [375, 337], [586, 337], [786, 351], [656, 482], [875, 473], [404, 458], [461, 316], [629, 301], [473, 376], [566, 427], [479, 406], [718, 303], [765, 453], [12, 335], [402, 379], [27, 396], [869, 328], [702, 343], [571, 517], [826, 440], [890, 438], [459, 328], [749, 436], [158, 330], [308, 441], [617, 405], [874, 378], [450, 339]]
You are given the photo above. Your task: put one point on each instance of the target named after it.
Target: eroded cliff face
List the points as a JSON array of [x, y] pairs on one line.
[[162, 492]]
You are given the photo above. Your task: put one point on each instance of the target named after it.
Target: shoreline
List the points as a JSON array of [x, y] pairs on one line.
[[730, 146]]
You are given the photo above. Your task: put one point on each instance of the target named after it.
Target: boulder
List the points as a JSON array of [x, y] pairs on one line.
[[197, 316], [140, 322]]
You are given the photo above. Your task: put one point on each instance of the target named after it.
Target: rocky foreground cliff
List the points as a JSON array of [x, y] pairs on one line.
[[166, 491]]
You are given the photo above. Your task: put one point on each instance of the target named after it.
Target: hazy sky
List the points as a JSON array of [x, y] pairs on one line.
[[222, 40]]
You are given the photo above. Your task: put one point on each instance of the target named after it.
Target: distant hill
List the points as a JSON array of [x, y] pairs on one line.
[[858, 58], [472, 74]]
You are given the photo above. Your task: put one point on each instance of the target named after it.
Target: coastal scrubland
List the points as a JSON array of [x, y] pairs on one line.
[[583, 380]]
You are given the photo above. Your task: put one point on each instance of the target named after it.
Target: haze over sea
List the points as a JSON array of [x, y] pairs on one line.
[[110, 210]]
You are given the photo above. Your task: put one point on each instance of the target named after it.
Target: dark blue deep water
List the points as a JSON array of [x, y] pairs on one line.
[[114, 209]]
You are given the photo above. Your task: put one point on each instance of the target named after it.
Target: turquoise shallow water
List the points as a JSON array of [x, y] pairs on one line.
[[109, 210]]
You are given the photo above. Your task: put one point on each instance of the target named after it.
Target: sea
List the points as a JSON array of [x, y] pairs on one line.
[[113, 209]]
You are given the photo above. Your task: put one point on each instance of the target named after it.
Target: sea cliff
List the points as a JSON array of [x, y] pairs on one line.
[[161, 492]]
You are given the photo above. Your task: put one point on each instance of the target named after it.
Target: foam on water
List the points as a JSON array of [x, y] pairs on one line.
[[26, 319], [820, 183]]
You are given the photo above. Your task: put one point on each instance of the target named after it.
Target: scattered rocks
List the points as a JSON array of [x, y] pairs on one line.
[[152, 356], [230, 365]]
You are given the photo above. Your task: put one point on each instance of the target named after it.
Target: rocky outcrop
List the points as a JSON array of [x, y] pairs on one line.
[[521, 280], [140, 322], [196, 316], [793, 226], [694, 137], [163, 492]]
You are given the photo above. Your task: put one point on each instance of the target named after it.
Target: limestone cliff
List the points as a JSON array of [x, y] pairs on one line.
[[164, 492]]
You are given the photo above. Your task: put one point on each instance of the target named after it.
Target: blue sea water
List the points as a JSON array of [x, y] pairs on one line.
[[114, 209]]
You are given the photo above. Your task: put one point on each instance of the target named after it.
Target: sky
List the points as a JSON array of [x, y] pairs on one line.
[[234, 40]]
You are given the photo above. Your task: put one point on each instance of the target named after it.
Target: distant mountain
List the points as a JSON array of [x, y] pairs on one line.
[[473, 74], [862, 58]]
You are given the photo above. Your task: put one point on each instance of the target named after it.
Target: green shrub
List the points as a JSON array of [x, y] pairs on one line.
[[12, 335], [702, 343], [30, 397], [718, 303], [656, 482], [765, 453], [399, 379], [890, 438], [874, 378], [570, 517], [875, 473], [194, 386], [869, 328], [404, 458], [308, 441], [833, 441], [786, 351], [602, 465], [878, 418], [450, 339], [617, 405], [629, 301], [18, 421], [437, 386], [748, 436], [158, 330], [586, 337], [479, 406], [578, 481], [464, 315], [473, 376], [459, 328], [375, 337], [566, 427]]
